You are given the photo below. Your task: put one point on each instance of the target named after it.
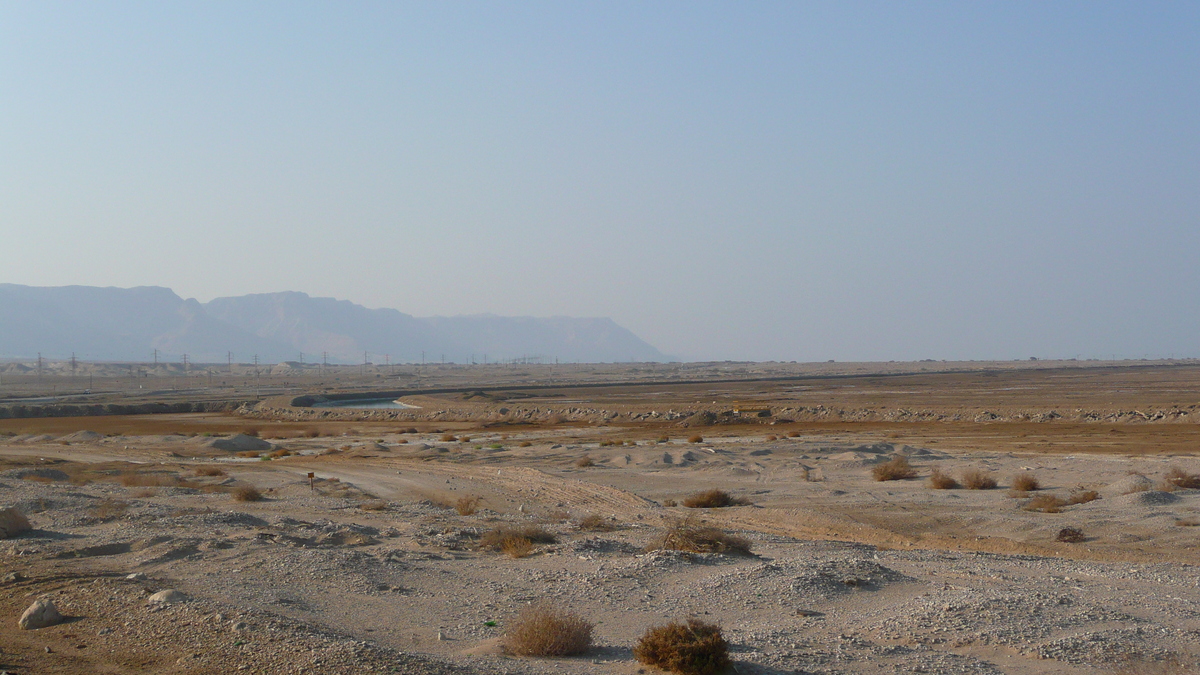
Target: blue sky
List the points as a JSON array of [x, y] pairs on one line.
[[791, 181]]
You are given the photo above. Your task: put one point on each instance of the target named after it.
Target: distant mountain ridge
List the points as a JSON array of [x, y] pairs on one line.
[[127, 324]]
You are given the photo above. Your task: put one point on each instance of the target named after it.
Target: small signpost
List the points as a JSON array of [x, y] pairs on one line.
[[311, 476]]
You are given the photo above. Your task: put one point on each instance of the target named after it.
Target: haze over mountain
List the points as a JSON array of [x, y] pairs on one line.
[[120, 324]]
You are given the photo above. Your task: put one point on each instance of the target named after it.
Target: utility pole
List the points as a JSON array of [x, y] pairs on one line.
[[155, 358], [301, 358], [39, 366], [229, 358], [72, 365], [185, 365]]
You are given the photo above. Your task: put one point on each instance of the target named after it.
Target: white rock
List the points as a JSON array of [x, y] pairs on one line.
[[40, 614], [169, 596]]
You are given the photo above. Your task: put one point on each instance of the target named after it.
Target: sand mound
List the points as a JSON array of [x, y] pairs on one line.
[[855, 458], [1146, 498], [239, 443], [83, 437], [1131, 483]]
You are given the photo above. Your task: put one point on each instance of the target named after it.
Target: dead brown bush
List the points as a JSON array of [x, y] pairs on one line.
[[250, 431], [516, 542], [449, 438], [1045, 504], [249, 454], [374, 505], [897, 468], [467, 506], [695, 438], [1082, 497], [713, 499], [596, 523], [142, 493], [246, 493], [209, 471], [670, 502], [942, 481], [691, 648], [1070, 535], [524, 444], [108, 509], [542, 630], [664, 439], [312, 433], [692, 537], [1182, 479], [281, 452], [1025, 482], [584, 462], [974, 479]]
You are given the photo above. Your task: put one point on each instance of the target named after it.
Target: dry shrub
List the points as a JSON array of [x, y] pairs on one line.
[[524, 444], [250, 431], [1045, 504], [793, 434], [142, 493], [1025, 482], [464, 439], [664, 439], [516, 542], [1188, 522], [975, 479], [209, 471], [281, 452], [449, 438], [897, 468], [670, 502], [249, 454], [542, 630], [107, 509], [596, 523], [772, 438], [12, 523], [467, 506], [1182, 479], [695, 438], [713, 499], [1070, 535], [374, 505], [605, 444], [34, 478], [246, 493], [312, 433], [584, 462], [692, 537], [1082, 497], [412, 430], [401, 441], [691, 648], [942, 481]]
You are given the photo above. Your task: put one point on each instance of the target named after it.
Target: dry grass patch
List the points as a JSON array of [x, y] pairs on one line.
[[374, 505], [713, 499], [691, 648], [246, 493], [942, 481], [975, 479], [449, 438], [897, 468], [695, 438], [1025, 482], [692, 537], [142, 493], [524, 444], [543, 630], [108, 509], [584, 462], [209, 471], [1045, 504]]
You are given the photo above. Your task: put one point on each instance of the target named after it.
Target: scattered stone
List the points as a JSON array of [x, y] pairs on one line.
[[40, 614], [13, 577], [136, 576]]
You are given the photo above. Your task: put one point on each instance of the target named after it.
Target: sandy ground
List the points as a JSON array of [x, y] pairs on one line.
[[371, 569]]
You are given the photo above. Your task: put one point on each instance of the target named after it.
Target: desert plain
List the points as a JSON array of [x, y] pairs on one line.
[[388, 558]]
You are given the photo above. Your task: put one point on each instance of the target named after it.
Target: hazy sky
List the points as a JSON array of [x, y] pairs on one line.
[[790, 181]]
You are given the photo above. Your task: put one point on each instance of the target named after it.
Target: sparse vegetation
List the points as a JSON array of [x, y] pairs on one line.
[[692, 537], [1025, 482], [584, 462], [209, 471], [246, 493], [374, 505], [897, 468], [695, 438], [108, 509], [670, 502], [974, 479], [142, 493], [664, 439], [1070, 535], [524, 444], [312, 433], [543, 630], [449, 438], [467, 505], [713, 499], [250, 431], [942, 481], [690, 648], [1045, 504]]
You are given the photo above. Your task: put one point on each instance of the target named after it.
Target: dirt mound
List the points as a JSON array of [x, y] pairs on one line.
[[83, 437], [239, 443]]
